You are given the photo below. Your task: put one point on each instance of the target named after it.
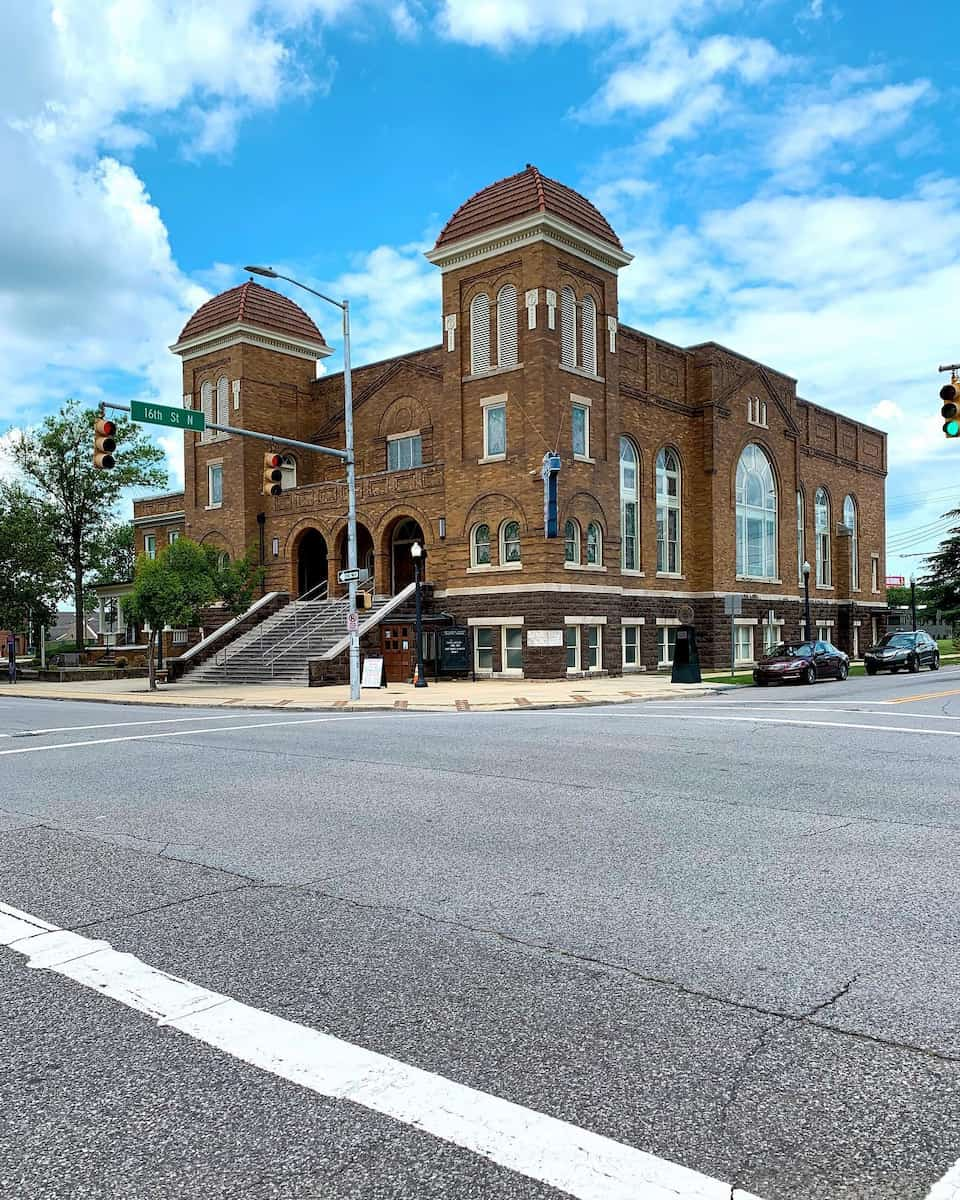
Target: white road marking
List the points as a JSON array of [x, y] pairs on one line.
[[866, 712], [116, 725], [947, 1188], [146, 737], [578, 1162], [672, 716]]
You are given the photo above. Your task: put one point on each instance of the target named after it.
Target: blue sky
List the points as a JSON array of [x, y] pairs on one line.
[[781, 170]]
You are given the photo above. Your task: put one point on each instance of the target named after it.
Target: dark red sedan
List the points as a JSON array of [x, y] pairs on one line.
[[801, 662]]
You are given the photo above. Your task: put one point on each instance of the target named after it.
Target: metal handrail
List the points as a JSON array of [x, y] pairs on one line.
[[321, 618]]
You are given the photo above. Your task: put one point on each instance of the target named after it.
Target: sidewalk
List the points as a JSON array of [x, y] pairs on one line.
[[487, 695]]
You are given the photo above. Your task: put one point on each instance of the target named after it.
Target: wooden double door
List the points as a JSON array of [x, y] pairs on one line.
[[398, 646]]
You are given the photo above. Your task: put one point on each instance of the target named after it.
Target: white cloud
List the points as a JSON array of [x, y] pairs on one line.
[[90, 293], [499, 23], [811, 130], [672, 68], [403, 21]]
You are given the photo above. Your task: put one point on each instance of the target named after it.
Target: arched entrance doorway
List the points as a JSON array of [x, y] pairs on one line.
[[311, 561], [365, 556], [405, 533]]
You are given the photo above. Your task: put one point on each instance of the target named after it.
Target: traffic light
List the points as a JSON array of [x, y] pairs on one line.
[[104, 444], [950, 395], [272, 474]]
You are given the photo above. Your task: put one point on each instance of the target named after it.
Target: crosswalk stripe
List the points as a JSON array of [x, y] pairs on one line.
[[583, 1164]]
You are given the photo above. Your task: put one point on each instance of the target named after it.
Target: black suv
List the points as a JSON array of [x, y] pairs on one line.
[[908, 651]]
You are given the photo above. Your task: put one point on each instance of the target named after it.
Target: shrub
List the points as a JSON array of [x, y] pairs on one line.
[[121, 663]]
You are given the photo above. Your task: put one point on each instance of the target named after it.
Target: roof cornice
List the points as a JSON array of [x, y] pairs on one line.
[[536, 227], [238, 332]]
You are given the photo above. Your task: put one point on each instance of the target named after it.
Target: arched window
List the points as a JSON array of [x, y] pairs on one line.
[[629, 549], [507, 326], [509, 542], [821, 517], [480, 333], [571, 542], [480, 546], [288, 466], [800, 538], [206, 405], [756, 498], [594, 545], [668, 512], [850, 520], [223, 401], [223, 560], [568, 327], [589, 335]]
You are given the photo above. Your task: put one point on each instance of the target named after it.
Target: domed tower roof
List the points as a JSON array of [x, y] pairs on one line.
[[524, 207], [252, 308]]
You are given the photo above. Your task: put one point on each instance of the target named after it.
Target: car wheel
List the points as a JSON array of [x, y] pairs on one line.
[[761, 682], [913, 664], [935, 665], [842, 672], [809, 675]]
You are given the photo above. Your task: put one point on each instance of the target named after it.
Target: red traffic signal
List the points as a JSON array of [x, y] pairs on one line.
[[104, 444], [950, 395], [272, 474]]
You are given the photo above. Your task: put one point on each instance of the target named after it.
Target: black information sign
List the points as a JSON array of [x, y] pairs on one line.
[[686, 660], [454, 650]]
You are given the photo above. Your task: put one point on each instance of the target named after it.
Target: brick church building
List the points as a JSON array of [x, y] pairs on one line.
[[687, 474]]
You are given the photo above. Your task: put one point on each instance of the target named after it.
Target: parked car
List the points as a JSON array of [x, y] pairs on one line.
[[801, 662], [903, 651]]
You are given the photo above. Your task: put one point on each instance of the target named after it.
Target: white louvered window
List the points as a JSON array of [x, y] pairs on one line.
[[223, 401], [480, 333], [568, 327], [206, 406], [589, 334], [507, 326]]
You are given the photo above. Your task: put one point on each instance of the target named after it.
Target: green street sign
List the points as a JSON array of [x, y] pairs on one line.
[[162, 414]]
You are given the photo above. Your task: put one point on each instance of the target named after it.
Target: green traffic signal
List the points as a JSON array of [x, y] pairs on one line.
[[950, 395]]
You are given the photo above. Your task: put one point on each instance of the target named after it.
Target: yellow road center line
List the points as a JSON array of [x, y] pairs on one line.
[[926, 696]]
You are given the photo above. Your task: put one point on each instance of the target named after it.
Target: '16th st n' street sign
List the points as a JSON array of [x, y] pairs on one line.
[[162, 414]]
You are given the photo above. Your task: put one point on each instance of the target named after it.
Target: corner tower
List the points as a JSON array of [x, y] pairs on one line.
[[249, 358], [530, 318]]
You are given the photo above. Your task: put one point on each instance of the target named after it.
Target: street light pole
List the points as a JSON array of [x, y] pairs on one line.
[[344, 306], [418, 554], [913, 600], [807, 632]]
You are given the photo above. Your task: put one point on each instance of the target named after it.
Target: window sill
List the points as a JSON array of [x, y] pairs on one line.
[[756, 579], [824, 587], [491, 458], [581, 372], [508, 674], [211, 507], [569, 566], [585, 458], [493, 371], [632, 669], [632, 571], [494, 567], [672, 575]]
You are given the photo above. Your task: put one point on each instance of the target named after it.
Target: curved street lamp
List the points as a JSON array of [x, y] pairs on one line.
[[807, 633], [419, 556]]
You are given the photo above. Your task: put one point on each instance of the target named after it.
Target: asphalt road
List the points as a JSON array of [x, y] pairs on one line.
[[720, 931]]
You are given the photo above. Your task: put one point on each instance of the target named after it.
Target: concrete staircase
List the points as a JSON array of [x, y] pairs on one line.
[[279, 649]]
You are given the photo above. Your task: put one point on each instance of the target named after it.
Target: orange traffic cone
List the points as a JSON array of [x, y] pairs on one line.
[[416, 673]]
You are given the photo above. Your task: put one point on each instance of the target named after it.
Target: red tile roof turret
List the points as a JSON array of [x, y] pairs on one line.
[[253, 305], [519, 196]]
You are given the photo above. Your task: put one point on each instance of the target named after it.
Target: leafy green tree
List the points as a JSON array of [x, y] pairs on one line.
[[56, 459], [943, 578], [32, 574], [113, 554], [170, 590], [237, 580]]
